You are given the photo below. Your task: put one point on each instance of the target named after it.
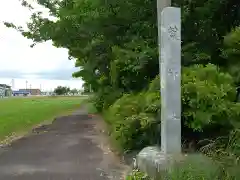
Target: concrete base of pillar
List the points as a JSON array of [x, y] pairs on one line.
[[157, 165], [153, 161]]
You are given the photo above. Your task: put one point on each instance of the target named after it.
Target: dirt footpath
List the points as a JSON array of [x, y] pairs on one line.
[[71, 148]]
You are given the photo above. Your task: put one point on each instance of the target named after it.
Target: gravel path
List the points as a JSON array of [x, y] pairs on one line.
[[71, 148]]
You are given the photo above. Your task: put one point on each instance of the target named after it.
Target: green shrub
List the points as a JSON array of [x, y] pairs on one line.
[[154, 86], [207, 104], [152, 103], [130, 126], [91, 108], [105, 98], [98, 102], [137, 175], [207, 98], [231, 54], [226, 151], [126, 106]]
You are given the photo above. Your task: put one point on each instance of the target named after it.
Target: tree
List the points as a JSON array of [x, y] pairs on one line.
[[61, 90], [115, 42], [86, 88], [74, 91], [231, 52]]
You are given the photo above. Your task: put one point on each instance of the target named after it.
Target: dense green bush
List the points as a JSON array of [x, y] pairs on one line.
[[231, 52], [208, 107], [226, 151], [152, 103], [130, 126], [207, 97], [105, 97], [207, 102]]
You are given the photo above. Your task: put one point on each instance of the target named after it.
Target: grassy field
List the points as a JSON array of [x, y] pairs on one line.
[[21, 114]]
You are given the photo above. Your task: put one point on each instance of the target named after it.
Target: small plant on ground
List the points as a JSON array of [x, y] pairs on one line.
[[137, 175]]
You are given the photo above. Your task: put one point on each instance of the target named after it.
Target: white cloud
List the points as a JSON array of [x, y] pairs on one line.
[[16, 56]]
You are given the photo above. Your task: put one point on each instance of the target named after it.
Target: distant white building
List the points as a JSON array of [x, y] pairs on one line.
[[2, 92], [5, 90]]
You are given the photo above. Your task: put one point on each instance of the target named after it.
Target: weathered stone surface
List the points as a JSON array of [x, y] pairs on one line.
[[152, 160], [155, 163], [171, 80]]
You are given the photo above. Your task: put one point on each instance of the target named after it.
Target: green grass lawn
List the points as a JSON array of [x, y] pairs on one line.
[[21, 114]]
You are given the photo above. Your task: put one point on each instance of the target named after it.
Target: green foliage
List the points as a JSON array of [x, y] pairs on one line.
[[207, 97], [204, 23], [74, 91], [226, 151], [231, 52], [130, 126], [91, 108], [152, 103], [115, 42], [133, 64], [105, 97], [194, 166], [86, 88], [232, 46], [137, 175], [207, 102], [61, 90]]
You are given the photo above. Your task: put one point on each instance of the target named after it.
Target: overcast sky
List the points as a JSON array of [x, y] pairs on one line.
[[43, 64]]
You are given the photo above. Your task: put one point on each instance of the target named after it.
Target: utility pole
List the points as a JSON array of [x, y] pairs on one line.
[[13, 85], [161, 4], [26, 84]]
